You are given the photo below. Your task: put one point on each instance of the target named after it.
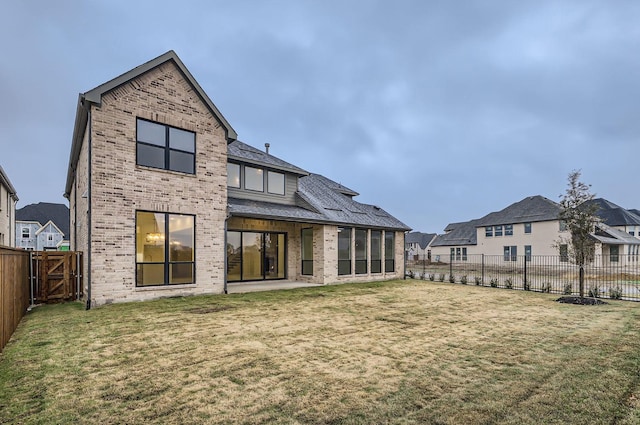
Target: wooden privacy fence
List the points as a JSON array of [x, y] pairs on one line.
[[56, 276], [14, 290]]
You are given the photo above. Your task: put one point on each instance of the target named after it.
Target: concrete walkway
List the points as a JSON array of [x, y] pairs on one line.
[[243, 287]]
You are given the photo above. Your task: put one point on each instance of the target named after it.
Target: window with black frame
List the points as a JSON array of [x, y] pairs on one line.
[[344, 251], [361, 251], [165, 245], [165, 147], [389, 252], [307, 252], [376, 251]]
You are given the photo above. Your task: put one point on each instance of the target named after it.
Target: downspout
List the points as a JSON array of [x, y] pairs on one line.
[[89, 212]]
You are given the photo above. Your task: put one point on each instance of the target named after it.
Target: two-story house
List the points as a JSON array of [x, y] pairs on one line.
[[166, 201], [527, 228], [8, 200], [417, 246], [42, 227]]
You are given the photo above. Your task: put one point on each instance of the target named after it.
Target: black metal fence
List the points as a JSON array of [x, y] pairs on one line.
[[603, 278]]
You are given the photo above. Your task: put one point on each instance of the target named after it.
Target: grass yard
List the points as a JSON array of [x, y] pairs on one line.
[[404, 352]]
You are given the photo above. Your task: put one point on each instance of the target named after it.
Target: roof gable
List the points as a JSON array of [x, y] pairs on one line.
[[94, 96], [43, 212]]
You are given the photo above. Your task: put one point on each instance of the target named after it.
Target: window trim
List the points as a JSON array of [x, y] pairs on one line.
[[167, 149], [167, 255], [345, 261], [284, 182]]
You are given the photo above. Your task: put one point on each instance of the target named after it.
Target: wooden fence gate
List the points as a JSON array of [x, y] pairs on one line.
[[56, 276]]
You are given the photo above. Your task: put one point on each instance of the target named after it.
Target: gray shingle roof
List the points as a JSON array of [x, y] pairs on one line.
[[422, 239], [245, 153], [321, 200], [42, 212], [614, 215], [611, 236], [462, 234], [531, 209]]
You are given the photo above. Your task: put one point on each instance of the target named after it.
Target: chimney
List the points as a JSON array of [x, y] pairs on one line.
[[266, 147]]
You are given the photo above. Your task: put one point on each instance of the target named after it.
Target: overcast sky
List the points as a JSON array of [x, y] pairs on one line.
[[437, 111]]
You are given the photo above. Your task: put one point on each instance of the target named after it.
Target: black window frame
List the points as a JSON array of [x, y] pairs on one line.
[[168, 150], [527, 228], [390, 263], [508, 229], [361, 263], [167, 263], [488, 231], [376, 263], [307, 265], [344, 265]]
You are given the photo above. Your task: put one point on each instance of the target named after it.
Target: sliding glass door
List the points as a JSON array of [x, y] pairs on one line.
[[255, 256]]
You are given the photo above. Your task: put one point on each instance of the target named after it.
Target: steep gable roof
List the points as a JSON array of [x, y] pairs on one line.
[[43, 212], [531, 209], [242, 152], [614, 215], [610, 236], [94, 96], [422, 239], [47, 224]]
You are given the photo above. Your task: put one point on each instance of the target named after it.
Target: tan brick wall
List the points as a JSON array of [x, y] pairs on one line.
[[120, 187]]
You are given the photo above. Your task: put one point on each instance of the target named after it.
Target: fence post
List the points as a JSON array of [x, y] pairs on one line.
[[451, 267], [483, 269], [524, 283]]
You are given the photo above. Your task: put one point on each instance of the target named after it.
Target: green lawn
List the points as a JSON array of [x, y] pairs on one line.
[[403, 352]]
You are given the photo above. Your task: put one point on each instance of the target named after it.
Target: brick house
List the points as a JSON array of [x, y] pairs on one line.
[[166, 201]]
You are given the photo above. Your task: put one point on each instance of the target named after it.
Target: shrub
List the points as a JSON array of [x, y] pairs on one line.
[[508, 283], [546, 287], [478, 280], [615, 293], [432, 277], [526, 285], [441, 277], [410, 274], [452, 278], [463, 279], [494, 282], [568, 289], [594, 291]]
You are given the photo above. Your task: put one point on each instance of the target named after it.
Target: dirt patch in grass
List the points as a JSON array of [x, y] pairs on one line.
[[400, 352], [580, 300]]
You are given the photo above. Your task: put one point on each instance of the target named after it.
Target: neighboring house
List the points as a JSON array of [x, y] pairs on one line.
[[8, 200], [33, 235], [166, 201], [528, 227], [417, 246], [617, 217]]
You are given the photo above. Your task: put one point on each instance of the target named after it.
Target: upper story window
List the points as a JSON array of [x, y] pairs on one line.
[[165, 147], [275, 183], [253, 178], [527, 227], [26, 233], [563, 226], [233, 175], [508, 230], [488, 231], [498, 230]]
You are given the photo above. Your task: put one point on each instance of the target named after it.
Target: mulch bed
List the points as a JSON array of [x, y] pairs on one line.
[[581, 301]]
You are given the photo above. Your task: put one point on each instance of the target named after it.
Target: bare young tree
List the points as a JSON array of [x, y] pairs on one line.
[[580, 220]]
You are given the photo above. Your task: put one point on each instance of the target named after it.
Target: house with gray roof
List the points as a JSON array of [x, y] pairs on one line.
[[8, 200], [166, 201], [617, 217], [417, 245], [42, 227], [526, 228]]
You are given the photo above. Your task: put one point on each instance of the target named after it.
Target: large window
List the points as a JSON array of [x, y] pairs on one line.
[[275, 183], [165, 147], [488, 231], [164, 248], [233, 175], [344, 251], [307, 252], [253, 179], [389, 252], [376, 251], [255, 256], [361, 251]]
